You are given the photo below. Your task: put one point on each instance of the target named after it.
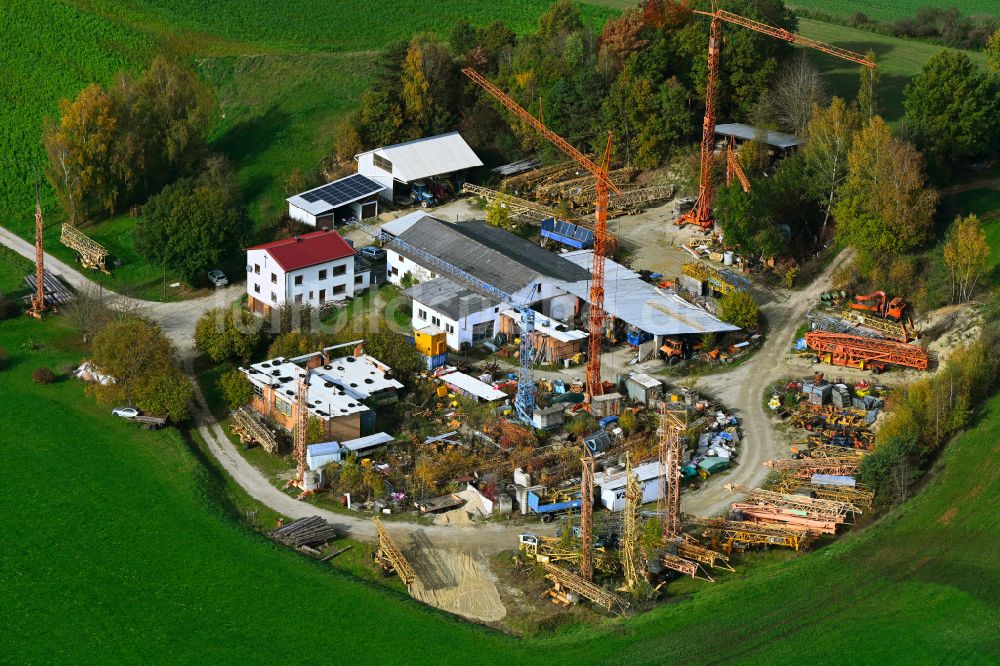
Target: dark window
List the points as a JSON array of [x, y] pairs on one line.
[[382, 163], [322, 296], [482, 331], [339, 289], [256, 288], [274, 279], [422, 315], [274, 297], [298, 279], [256, 269], [436, 321], [298, 298], [340, 270], [358, 279], [257, 391], [449, 328], [322, 274]]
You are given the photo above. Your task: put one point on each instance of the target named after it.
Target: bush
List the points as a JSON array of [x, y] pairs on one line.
[[235, 388], [739, 309], [9, 308], [43, 376]]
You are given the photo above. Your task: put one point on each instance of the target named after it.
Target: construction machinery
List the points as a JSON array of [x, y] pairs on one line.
[[881, 305], [587, 515], [669, 435], [251, 430], [805, 468], [721, 280], [813, 506], [854, 351], [730, 535], [701, 213], [38, 305], [733, 166], [630, 548], [858, 494], [544, 549], [301, 433], [390, 558], [565, 584], [91, 253], [603, 188]]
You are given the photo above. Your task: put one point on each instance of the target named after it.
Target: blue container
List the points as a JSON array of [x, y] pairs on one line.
[[435, 361]]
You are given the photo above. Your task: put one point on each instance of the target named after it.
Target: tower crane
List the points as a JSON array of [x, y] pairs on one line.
[[524, 402], [604, 185], [701, 213], [38, 300], [301, 428]]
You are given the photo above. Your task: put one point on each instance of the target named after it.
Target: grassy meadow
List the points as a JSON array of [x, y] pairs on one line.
[[890, 11]]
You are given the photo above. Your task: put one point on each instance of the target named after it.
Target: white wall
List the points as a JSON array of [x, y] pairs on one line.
[[283, 288], [297, 213], [367, 168], [403, 266], [460, 330]]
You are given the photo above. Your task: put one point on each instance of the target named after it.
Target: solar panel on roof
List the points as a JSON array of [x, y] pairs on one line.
[[345, 190]]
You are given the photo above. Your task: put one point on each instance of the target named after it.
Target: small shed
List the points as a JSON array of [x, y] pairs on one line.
[[643, 388], [322, 207], [612, 489], [553, 341], [548, 418], [743, 132]]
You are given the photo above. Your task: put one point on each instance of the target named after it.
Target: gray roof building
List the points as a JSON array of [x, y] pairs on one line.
[[493, 255], [749, 133]]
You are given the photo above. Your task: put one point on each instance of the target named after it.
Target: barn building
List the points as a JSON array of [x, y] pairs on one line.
[[403, 164]]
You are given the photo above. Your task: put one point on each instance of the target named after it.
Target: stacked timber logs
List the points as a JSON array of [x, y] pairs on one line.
[[304, 532]]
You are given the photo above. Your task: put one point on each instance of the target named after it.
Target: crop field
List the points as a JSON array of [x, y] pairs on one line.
[[889, 11]]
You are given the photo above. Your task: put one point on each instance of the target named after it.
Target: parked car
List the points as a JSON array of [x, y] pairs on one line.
[[125, 412], [218, 278], [372, 253]]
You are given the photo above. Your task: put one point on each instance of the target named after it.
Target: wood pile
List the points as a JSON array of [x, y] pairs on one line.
[[304, 532]]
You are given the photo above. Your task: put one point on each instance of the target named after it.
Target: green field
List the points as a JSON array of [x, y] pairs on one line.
[[985, 203], [123, 544], [889, 11]]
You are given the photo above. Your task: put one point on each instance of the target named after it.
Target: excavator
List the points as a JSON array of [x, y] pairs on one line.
[[880, 305]]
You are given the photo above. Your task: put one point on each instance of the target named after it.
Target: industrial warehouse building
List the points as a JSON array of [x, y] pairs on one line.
[[516, 266], [312, 269], [406, 163], [325, 206]]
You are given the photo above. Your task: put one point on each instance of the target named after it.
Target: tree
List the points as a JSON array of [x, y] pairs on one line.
[[427, 86], [79, 149], [867, 98], [797, 91], [141, 359], [191, 227], [627, 421], [830, 132], [739, 309], [747, 221], [622, 36], [464, 37], [88, 313], [347, 138], [498, 215], [993, 50], [885, 210], [954, 107], [228, 334], [967, 255], [235, 388], [562, 18]]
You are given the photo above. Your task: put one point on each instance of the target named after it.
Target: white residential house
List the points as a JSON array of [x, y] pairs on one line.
[[312, 269], [408, 162]]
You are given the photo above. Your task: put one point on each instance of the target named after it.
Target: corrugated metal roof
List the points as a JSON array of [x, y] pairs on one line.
[[749, 133], [430, 156], [449, 298], [495, 256], [471, 385], [548, 327], [639, 303], [401, 224], [368, 441]]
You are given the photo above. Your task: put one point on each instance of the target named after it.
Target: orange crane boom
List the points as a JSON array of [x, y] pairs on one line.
[[855, 351], [38, 300], [701, 213], [604, 186], [733, 166]]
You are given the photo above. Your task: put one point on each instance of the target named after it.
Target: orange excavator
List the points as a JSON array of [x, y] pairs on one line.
[[880, 305]]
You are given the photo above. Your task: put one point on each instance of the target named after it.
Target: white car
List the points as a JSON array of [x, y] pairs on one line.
[[218, 278], [125, 412]]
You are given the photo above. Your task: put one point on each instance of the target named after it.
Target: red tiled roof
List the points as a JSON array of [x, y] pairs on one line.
[[309, 249]]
